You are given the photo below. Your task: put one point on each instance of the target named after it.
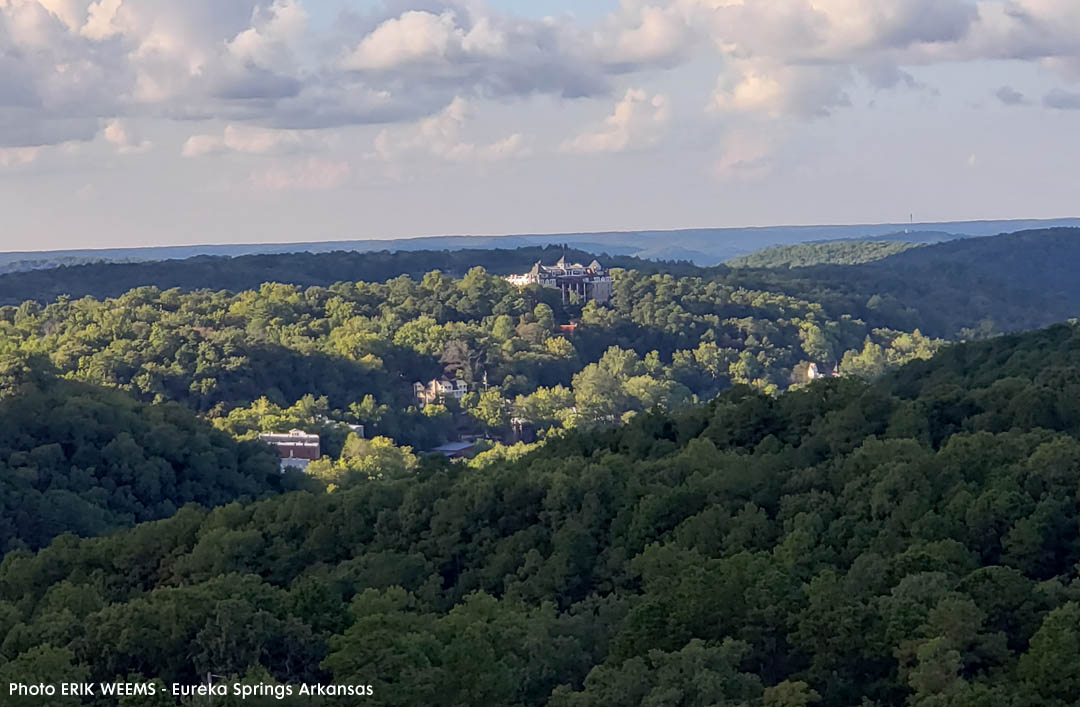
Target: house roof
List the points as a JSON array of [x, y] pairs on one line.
[[293, 437], [454, 447], [295, 445], [560, 269]]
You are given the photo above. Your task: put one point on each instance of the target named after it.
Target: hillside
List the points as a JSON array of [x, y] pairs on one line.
[[958, 289], [110, 279], [673, 333], [830, 253], [921, 236], [76, 458], [910, 542], [50, 263], [278, 356]]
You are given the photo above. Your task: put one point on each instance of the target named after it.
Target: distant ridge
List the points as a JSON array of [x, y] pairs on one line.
[[1007, 283], [801, 255], [703, 246], [216, 272]]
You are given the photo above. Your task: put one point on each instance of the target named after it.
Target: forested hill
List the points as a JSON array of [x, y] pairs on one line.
[[956, 289], [1050, 359], [280, 356], [830, 253], [302, 269], [87, 460], [1003, 283], [912, 542], [1011, 282]]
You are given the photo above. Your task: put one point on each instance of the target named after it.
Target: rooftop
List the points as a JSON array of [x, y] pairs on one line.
[[293, 437], [455, 450]]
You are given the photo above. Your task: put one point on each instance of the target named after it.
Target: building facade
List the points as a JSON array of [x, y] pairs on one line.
[[591, 283], [439, 389], [297, 449]]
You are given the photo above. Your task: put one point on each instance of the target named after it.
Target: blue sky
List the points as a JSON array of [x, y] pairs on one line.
[[149, 122]]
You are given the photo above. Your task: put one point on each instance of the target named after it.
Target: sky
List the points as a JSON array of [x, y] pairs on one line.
[[155, 122]]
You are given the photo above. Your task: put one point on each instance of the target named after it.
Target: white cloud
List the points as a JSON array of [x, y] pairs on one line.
[[414, 37], [776, 91], [18, 156], [637, 121], [440, 136], [802, 31], [249, 140], [744, 157], [68, 65], [312, 174], [475, 50], [645, 35], [803, 57], [117, 134], [268, 42], [90, 60], [101, 20]]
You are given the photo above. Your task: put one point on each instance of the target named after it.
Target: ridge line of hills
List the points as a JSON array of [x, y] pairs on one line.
[[704, 246], [1009, 282]]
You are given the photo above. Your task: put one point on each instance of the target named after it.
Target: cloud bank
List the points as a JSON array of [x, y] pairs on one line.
[[68, 67]]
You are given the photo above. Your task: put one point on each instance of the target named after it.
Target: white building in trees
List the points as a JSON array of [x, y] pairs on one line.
[[591, 283]]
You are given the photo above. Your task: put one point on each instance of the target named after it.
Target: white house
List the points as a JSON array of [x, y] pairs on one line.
[[439, 389]]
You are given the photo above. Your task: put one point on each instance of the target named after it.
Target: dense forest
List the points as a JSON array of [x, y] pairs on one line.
[[52, 263], [908, 542], [88, 460], [110, 279], [831, 253], [280, 355], [697, 523], [960, 289]]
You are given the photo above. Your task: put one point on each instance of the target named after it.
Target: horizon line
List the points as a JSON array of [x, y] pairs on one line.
[[901, 226]]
